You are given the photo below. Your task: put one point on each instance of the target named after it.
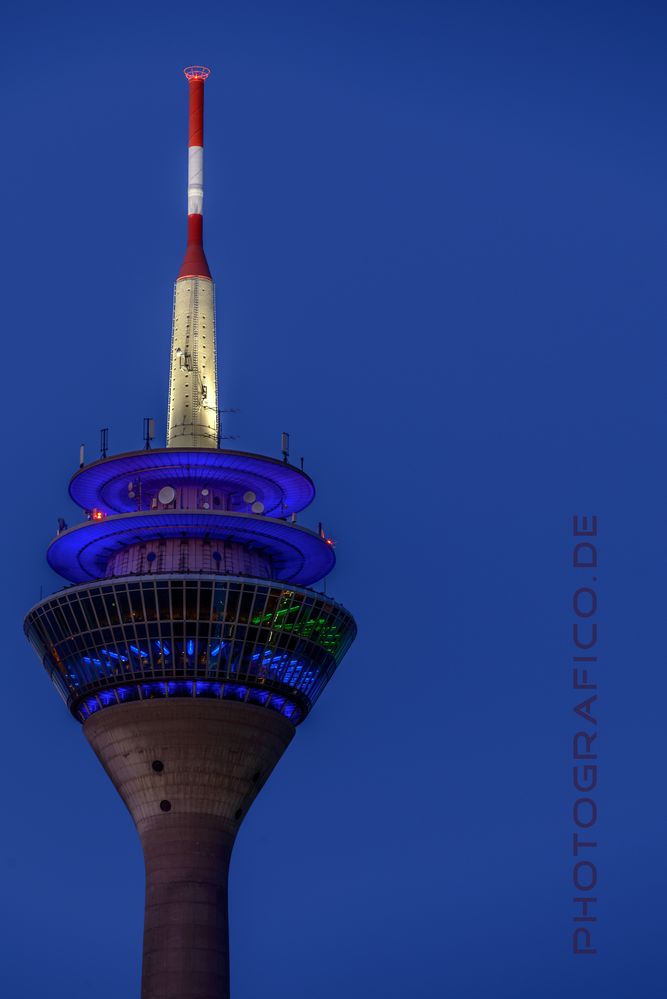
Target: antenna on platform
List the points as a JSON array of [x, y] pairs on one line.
[[149, 431], [82, 456], [284, 445], [104, 441], [225, 437]]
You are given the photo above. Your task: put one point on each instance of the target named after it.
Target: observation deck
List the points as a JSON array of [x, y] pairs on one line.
[[190, 576], [152, 637]]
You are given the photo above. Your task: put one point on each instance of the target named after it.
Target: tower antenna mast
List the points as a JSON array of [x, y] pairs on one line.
[[192, 417]]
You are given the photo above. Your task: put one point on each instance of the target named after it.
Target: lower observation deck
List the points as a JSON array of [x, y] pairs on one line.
[[131, 638]]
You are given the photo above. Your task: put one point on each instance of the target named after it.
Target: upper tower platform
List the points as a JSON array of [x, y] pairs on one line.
[[177, 504], [225, 479]]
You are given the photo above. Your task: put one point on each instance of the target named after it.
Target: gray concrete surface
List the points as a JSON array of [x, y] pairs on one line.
[[188, 771]]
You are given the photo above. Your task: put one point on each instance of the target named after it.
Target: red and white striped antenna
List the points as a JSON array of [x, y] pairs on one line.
[[194, 263]]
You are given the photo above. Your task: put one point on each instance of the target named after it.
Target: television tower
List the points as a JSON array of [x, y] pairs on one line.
[[189, 642]]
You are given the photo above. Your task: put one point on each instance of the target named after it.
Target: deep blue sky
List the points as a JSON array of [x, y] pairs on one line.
[[439, 235]]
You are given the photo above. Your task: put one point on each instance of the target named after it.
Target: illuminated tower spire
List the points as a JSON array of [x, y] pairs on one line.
[[192, 417], [189, 641]]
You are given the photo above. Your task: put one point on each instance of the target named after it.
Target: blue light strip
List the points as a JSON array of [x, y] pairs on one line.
[[189, 688], [114, 655]]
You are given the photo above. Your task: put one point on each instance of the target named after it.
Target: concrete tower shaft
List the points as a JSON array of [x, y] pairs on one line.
[[188, 772]]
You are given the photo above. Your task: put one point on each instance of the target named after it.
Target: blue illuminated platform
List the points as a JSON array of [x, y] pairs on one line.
[[293, 554], [200, 510], [127, 482]]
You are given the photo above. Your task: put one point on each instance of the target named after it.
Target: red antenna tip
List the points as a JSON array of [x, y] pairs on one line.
[[197, 72]]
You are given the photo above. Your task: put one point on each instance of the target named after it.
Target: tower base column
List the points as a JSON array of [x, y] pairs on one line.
[[188, 770]]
